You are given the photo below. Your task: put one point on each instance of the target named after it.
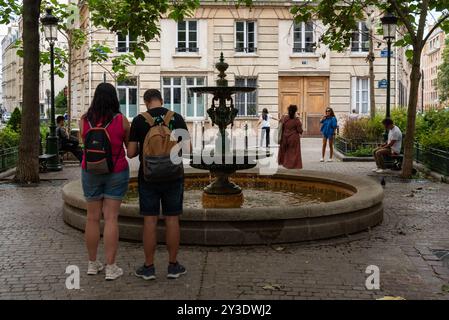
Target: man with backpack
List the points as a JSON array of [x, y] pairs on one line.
[[161, 180]]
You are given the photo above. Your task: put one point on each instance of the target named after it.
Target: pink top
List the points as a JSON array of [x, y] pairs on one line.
[[117, 135]]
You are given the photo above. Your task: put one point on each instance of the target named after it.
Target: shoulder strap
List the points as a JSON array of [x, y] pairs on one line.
[[168, 117], [148, 118], [115, 116]]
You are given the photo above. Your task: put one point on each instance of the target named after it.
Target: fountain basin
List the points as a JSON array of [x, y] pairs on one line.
[[357, 207]]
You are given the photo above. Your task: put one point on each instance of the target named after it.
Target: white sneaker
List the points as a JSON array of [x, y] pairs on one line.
[[113, 272], [330, 160], [322, 160], [375, 169], [380, 171], [94, 267]]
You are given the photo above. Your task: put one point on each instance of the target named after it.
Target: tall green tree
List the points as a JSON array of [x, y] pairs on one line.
[[28, 161], [443, 76], [340, 17]]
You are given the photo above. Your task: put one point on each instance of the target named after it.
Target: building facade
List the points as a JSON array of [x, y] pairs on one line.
[[263, 47], [10, 67], [431, 59], [12, 72]]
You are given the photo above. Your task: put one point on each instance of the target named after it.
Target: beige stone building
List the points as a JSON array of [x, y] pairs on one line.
[[263, 47], [12, 72], [11, 64], [431, 59]]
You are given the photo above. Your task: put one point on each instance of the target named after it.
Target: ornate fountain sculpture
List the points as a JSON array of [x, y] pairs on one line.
[[223, 193]]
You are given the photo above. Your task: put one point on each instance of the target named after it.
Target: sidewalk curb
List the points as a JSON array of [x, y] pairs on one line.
[[344, 158], [440, 177], [7, 173]]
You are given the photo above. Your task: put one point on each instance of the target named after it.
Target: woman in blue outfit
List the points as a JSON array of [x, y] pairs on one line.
[[328, 127]]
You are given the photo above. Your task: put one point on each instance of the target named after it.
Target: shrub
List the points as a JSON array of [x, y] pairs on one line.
[[14, 122], [363, 129], [8, 138]]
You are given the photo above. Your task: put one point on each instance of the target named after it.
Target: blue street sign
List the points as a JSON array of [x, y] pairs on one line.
[[384, 53], [382, 84]]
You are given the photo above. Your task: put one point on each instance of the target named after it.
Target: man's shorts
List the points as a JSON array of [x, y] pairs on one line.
[[169, 194]]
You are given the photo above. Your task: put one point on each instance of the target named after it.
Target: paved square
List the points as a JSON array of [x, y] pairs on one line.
[[36, 247]]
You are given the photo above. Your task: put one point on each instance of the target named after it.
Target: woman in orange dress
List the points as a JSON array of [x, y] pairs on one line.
[[290, 145]]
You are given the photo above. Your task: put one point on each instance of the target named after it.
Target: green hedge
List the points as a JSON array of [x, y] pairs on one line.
[[8, 138]]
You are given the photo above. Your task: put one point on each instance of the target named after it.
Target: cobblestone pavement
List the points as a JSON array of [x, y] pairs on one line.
[[36, 247]]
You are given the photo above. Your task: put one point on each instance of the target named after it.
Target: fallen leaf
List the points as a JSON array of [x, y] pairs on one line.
[[279, 248], [272, 287], [391, 298]]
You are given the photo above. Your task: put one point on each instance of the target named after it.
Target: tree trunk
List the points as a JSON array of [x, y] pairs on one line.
[[415, 76], [28, 162], [372, 97], [69, 80]]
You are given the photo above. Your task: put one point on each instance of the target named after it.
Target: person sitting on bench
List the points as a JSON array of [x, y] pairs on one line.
[[391, 148], [66, 142]]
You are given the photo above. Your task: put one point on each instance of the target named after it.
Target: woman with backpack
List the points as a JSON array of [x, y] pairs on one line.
[[105, 175], [290, 140]]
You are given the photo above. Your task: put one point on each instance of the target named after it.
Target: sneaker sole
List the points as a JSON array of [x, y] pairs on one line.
[[145, 277], [114, 277], [93, 273], [175, 276]]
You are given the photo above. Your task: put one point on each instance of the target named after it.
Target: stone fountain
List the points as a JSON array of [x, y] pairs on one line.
[[285, 206], [223, 193]]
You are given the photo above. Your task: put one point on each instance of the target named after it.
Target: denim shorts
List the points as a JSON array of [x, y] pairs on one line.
[[169, 194], [111, 186]]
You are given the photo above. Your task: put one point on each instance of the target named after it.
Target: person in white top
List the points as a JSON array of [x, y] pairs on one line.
[[265, 119], [392, 147], [354, 115]]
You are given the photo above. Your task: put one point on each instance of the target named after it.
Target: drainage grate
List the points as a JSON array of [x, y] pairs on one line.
[[443, 255]]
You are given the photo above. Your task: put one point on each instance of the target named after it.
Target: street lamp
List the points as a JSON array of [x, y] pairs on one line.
[[50, 24], [389, 22]]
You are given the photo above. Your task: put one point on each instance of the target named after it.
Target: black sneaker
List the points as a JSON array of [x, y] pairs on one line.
[[146, 273], [175, 270]]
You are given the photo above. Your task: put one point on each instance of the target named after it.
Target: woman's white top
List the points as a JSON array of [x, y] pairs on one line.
[[265, 123]]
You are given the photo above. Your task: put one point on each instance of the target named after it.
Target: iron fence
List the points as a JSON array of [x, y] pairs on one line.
[[8, 158], [433, 159], [347, 147]]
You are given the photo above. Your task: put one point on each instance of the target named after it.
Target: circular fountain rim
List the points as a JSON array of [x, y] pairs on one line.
[[367, 193]]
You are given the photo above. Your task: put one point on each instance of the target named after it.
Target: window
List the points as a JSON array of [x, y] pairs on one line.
[[246, 103], [126, 43], [180, 99], [245, 36], [360, 38], [187, 36], [195, 102], [360, 95], [128, 97], [303, 37]]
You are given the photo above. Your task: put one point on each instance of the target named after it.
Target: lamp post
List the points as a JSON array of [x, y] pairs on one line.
[[389, 22], [50, 24]]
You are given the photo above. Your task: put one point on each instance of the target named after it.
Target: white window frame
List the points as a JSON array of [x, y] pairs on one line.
[[195, 97], [358, 91], [246, 97], [187, 31], [184, 87], [359, 32], [303, 37], [245, 36], [127, 88], [128, 43]]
